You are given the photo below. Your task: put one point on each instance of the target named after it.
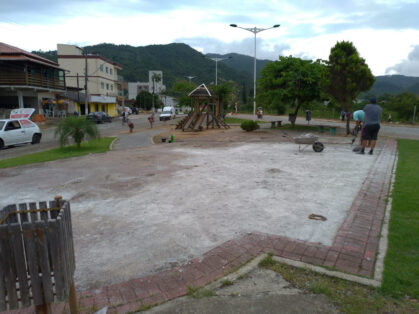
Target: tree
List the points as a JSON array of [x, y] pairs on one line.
[[403, 104], [145, 100], [155, 77], [290, 81], [225, 93], [346, 76], [77, 128], [181, 90]]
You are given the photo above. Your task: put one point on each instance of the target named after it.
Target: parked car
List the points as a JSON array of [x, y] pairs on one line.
[[134, 110], [127, 109], [18, 131], [99, 117], [168, 113]]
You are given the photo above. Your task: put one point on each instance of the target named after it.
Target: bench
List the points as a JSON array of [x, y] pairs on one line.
[[278, 123], [332, 129]]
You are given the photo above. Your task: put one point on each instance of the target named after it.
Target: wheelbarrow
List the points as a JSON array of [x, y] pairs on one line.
[[308, 139]]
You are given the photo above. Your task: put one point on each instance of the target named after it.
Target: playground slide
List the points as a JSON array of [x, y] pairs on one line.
[[199, 122], [188, 123]]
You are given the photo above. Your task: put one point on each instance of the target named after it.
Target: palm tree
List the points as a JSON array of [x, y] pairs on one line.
[[77, 128], [156, 78]]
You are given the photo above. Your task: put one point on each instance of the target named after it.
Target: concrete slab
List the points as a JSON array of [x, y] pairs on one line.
[[139, 211]]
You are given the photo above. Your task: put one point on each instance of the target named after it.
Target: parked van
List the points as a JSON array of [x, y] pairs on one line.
[[168, 113]]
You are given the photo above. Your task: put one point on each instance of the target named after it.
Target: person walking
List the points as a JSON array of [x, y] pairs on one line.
[[342, 115], [124, 116], [371, 125]]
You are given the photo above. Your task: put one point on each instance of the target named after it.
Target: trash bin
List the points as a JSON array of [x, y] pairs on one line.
[[37, 261], [308, 115]]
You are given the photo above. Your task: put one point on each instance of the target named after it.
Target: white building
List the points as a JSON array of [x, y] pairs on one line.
[[134, 88]]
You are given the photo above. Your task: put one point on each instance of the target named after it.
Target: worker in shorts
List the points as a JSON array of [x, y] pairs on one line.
[[371, 125], [358, 117]]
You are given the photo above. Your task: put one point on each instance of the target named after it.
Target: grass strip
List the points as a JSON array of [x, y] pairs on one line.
[[90, 147], [401, 271], [348, 297]]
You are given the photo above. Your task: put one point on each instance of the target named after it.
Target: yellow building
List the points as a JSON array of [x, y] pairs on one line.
[[102, 78]]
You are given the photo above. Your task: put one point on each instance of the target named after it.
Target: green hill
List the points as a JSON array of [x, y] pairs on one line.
[[394, 84], [175, 60], [240, 62], [179, 60]]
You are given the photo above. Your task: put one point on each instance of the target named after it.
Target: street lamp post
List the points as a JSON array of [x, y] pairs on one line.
[[254, 30], [190, 78], [216, 67]]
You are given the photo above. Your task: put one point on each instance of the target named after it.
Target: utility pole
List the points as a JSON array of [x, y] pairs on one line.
[[152, 100], [86, 100], [78, 92]]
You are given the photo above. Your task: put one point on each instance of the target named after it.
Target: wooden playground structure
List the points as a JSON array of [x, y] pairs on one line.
[[206, 111]]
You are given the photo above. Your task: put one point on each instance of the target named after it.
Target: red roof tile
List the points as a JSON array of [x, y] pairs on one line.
[[8, 52]]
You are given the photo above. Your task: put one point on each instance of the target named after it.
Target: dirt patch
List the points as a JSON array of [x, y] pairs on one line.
[[141, 210]]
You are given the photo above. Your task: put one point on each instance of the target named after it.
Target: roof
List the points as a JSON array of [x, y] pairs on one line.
[[8, 52], [90, 57], [200, 91]]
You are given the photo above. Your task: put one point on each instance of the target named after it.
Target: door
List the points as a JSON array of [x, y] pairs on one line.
[[14, 134]]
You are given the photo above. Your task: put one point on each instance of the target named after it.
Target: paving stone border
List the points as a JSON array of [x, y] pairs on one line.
[[354, 251]]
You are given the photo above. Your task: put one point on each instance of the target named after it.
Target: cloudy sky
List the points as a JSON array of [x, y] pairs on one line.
[[385, 32]]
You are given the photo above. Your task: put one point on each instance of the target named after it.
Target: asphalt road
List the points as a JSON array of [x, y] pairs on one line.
[[116, 128], [389, 130]]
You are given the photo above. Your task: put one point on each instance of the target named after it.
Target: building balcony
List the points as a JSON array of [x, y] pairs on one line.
[[30, 80]]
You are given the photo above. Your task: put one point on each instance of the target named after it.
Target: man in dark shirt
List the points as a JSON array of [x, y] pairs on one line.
[[371, 125]]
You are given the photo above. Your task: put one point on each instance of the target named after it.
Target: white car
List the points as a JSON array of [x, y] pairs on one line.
[[18, 131], [168, 113]]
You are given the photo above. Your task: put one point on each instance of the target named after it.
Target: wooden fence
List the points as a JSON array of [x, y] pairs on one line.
[[36, 254]]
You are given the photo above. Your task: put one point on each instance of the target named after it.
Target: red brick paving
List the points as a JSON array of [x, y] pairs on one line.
[[353, 251]]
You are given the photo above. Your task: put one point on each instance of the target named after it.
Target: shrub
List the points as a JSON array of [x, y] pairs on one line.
[[249, 125]]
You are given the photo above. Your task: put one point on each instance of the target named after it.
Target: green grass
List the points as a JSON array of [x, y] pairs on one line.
[[226, 283], [90, 147], [199, 293], [267, 261], [347, 296], [401, 272]]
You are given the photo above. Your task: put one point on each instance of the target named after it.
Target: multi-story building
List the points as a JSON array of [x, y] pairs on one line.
[[30, 81], [155, 81], [103, 85]]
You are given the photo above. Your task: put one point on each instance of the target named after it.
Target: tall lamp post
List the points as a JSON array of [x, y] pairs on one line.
[[216, 67], [254, 30], [190, 78]]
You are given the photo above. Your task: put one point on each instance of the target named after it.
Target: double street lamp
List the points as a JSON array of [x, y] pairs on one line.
[[216, 67], [254, 30], [190, 78]]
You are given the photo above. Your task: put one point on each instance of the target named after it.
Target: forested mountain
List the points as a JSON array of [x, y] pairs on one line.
[[240, 62], [395, 84], [179, 60], [175, 60]]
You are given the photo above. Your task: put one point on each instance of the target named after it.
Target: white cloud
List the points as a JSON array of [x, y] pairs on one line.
[[409, 67], [308, 28]]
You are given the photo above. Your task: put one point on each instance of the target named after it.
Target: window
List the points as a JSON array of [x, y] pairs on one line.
[[12, 125], [111, 87], [101, 67], [110, 70], [102, 85], [107, 86], [107, 69]]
